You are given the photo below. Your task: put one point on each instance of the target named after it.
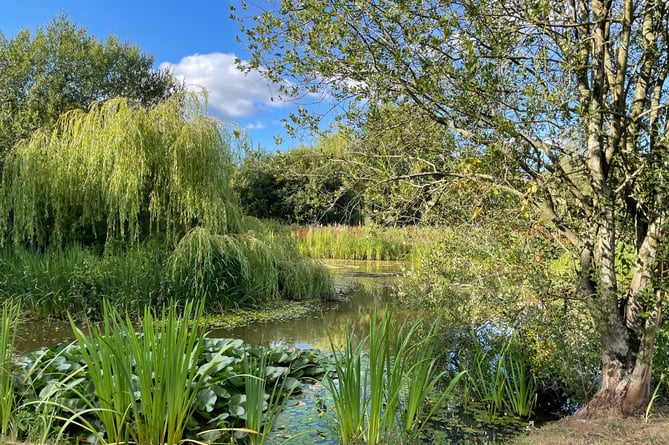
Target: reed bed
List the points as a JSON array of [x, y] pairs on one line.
[[228, 271], [11, 312], [381, 396], [368, 243], [162, 382]]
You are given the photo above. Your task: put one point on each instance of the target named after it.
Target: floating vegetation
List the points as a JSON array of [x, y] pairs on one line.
[[219, 406]]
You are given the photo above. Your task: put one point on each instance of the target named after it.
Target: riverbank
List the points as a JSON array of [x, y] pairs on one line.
[[634, 430]]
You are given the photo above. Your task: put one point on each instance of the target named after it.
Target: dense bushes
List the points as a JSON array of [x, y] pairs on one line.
[[514, 284], [227, 271]]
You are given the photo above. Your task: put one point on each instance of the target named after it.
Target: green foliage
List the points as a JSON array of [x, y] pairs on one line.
[[262, 404], [119, 172], [383, 397], [563, 119], [230, 271], [478, 276], [55, 382], [364, 243], [145, 376], [302, 186], [499, 380], [60, 68], [77, 280], [226, 270], [9, 318]]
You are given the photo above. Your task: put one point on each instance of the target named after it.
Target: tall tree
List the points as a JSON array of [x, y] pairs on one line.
[[117, 174], [571, 97], [61, 68], [300, 186]]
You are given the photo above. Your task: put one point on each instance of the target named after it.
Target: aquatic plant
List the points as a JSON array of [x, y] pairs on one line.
[[384, 394], [499, 381], [56, 384], [11, 312], [263, 404], [156, 364]]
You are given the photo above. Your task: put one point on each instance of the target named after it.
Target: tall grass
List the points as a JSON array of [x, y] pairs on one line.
[[76, 280], [233, 270], [499, 381], [384, 395], [226, 270], [355, 242], [145, 383], [10, 314], [262, 407], [347, 390]]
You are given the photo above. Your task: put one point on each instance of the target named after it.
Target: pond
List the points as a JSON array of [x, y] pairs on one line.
[[362, 287]]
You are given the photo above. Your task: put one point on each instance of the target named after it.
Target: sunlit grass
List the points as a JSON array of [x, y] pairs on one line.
[[384, 394], [11, 312], [365, 242], [145, 383]]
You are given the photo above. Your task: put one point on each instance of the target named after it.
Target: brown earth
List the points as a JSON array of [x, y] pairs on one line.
[[571, 431]]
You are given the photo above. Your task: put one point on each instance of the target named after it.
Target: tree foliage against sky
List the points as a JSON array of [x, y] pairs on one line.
[[61, 67], [569, 97], [301, 186], [120, 172]]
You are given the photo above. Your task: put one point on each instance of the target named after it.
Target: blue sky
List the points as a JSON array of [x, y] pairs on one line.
[[195, 38]]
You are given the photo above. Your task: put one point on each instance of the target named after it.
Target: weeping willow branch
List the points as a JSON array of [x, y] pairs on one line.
[[119, 172]]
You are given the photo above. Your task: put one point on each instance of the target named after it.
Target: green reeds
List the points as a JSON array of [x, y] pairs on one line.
[[385, 396], [10, 314], [368, 243], [227, 270], [262, 408], [347, 390], [145, 383], [499, 382], [75, 280]]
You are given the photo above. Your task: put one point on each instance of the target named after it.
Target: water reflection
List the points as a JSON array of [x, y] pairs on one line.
[[34, 334], [361, 287]]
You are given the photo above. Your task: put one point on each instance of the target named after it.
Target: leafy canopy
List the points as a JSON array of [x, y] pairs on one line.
[[570, 98], [60, 67], [120, 172]]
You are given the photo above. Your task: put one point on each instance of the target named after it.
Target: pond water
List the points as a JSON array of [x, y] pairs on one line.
[[362, 287]]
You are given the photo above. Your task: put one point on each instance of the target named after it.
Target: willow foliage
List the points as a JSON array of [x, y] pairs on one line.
[[119, 172]]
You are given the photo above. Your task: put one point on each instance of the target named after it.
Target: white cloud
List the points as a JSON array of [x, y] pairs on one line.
[[232, 93], [258, 125]]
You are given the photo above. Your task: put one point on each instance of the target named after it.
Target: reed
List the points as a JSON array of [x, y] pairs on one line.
[[355, 242], [262, 407], [144, 383], [11, 312], [383, 395], [75, 279], [499, 381], [520, 387], [346, 390]]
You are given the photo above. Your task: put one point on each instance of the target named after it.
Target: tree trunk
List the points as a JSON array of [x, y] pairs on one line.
[[625, 386], [628, 338]]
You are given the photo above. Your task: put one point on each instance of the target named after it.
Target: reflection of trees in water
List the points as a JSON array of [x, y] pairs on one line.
[[359, 295]]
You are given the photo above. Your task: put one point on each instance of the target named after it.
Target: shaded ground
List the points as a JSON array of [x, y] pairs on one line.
[[602, 431]]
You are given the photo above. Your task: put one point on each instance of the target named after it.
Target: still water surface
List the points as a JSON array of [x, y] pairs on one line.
[[362, 287]]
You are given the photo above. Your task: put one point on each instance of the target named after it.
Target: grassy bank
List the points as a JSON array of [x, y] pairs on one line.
[[227, 271]]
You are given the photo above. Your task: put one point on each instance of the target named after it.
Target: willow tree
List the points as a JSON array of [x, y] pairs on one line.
[[119, 172], [569, 97], [60, 67]]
